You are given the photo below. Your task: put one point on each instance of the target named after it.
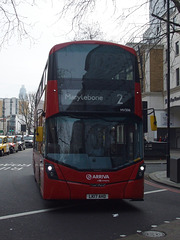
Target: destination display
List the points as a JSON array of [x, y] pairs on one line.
[[104, 95]]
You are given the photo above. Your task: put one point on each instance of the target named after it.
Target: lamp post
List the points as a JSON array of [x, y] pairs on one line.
[[168, 90], [3, 114]]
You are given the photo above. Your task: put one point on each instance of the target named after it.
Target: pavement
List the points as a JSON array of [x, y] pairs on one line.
[[161, 176], [168, 230]]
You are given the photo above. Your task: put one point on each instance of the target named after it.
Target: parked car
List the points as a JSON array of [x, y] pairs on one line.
[[4, 146], [21, 143], [28, 141], [13, 145]]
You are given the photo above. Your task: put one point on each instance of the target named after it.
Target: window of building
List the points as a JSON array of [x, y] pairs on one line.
[[177, 47], [177, 76]]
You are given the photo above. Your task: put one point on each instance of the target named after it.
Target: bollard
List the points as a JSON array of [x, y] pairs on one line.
[[175, 170]]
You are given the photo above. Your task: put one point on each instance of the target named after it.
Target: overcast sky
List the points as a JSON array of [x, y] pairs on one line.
[[22, 62]]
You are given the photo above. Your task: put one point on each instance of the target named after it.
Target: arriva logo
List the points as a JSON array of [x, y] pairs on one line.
[[97, 176]]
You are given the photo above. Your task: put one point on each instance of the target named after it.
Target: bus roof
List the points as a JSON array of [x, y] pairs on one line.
[[62, 45]]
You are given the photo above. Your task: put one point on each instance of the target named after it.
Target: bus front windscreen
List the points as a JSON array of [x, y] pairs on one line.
[[93, 143]]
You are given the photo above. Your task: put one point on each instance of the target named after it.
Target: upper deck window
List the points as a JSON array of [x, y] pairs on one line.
[[93, 61]]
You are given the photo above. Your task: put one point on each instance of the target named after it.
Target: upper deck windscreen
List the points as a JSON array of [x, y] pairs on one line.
[[93, 77]]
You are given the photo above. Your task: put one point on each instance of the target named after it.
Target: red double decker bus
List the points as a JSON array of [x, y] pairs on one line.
[[89, 135]]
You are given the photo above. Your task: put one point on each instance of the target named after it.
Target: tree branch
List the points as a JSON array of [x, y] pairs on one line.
[[177, 4], [165, 20]]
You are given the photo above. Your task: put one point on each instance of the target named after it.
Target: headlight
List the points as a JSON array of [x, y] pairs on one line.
[[141, 171], [51, 171]]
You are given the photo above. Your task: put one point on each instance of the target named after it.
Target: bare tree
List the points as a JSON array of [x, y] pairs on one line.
[[11, 22], [177, 4], [26, 110], [89, 32], [81, 8]]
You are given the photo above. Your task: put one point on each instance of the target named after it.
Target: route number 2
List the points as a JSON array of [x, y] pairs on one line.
[[120, 96]]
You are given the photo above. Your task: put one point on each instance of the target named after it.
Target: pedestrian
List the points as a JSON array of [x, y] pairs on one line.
[[165, 138]]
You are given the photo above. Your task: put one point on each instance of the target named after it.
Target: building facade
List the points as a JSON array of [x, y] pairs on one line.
[[9, 109], [11, 117], [15, 113], [154, 84]]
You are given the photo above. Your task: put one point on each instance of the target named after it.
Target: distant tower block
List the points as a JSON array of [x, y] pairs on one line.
[[22, 92]]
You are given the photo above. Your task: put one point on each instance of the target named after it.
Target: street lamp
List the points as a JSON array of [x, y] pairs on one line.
[[168, 89]]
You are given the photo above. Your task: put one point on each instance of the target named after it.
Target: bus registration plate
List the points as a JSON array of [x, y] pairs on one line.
[[97, 196]]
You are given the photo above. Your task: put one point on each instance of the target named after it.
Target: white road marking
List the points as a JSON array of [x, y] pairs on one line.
[[35, 212], [13, 167], [53, 209], [27, 213], [156, 191]]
